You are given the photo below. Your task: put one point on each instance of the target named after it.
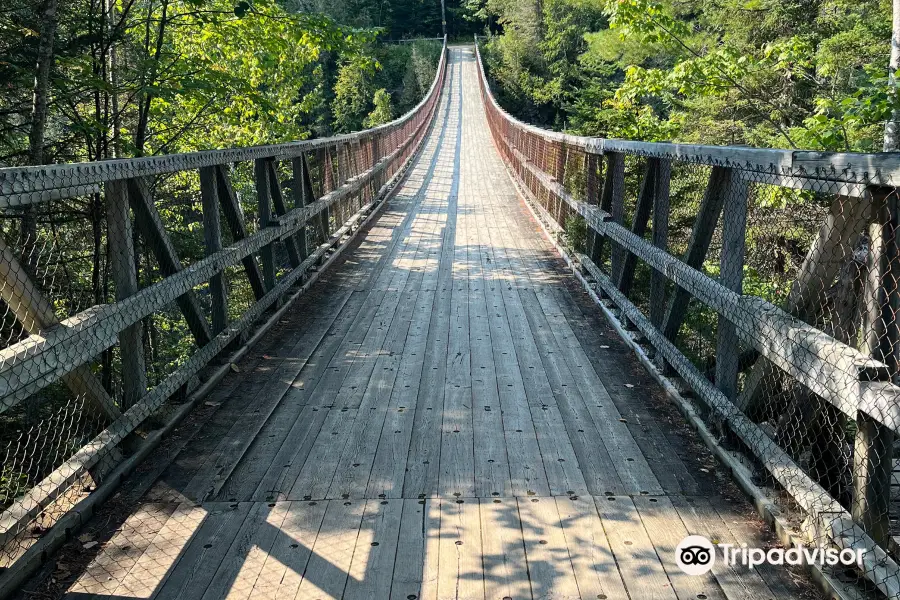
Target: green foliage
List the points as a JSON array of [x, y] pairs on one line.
[[382, 113], [352, 95], [802, 73]]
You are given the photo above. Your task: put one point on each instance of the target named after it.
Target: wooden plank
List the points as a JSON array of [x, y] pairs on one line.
[[492, 476], [152, 229], [152, 569], [640, 567], [247, 451], [221, 464], [371, 570], [508, 332], [527, 472], [630, 463], [120, 238], [212, 237], [301, 191], [661, 519], [744, 526], [264, 216], [119, 555], [503, 550], [415, 566], [316, 475], [700, 518], [306, 458], [460, 573], [589, 445], [658, 447], [352, 476], [239, 570], [565, 356], [549, 566], [596, 572], [229, 395], [285, 565], [557, 454], [389, 464], [327, 570], [660, 240], [615, 200], [294, 447], [234, 216], [319, 468], [201, 558], [457, 466], [318, 381], [423, 463], [663, 460]]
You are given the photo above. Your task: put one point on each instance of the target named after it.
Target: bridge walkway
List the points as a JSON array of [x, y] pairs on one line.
[[444, 415]]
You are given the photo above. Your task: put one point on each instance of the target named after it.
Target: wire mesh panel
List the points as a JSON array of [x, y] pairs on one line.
[[121, 282], [769, 282]]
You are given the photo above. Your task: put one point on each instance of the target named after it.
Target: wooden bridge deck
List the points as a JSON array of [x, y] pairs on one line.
[[444, 415]]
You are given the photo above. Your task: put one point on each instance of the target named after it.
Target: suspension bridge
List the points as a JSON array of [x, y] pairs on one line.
[[457, 356]]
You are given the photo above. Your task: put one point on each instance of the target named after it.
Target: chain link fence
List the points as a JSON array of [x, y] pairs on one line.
[[122, 282], [765, 283]]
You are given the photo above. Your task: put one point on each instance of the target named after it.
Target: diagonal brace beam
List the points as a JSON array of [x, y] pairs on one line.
[[35, 313], [231, 208], [150, 224]]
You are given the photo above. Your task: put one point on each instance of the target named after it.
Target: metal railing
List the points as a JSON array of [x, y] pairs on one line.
[[121, 281], [767, 283]]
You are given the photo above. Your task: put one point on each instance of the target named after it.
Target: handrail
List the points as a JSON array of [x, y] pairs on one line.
[[560, 176], [879, 168], [20, 186]]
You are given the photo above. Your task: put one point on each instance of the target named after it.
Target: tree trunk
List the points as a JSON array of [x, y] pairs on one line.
[[146, 98], [42, 84], [41, 91], [892, 127]]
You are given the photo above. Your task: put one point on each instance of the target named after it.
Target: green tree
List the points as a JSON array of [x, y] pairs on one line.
[[382, 113], [352, 95]]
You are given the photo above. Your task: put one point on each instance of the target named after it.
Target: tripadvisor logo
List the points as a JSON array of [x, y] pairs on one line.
[[696, 555]]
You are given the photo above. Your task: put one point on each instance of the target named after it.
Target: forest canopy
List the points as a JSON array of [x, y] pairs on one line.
[[98, 79], [807, 74]]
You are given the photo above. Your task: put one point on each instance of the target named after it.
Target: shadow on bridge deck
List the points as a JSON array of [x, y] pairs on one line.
[[444, 415]]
